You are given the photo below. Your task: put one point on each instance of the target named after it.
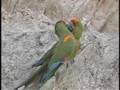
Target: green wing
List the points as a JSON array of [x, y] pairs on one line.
[[46, 56]]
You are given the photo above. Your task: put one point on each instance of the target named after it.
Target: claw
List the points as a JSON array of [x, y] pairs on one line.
[[72, 61], [56, 76]]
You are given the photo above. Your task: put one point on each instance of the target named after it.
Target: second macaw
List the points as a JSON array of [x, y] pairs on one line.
[[77, 28]]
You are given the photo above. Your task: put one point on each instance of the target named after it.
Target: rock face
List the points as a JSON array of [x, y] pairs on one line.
[[28, 32]]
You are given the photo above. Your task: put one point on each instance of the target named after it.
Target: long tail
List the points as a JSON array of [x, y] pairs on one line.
[[36, 76], [50, 73], [40, 77]]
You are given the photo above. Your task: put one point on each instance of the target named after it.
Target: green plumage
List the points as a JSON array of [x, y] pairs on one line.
[[53, 59], [61, 51], [77, 30]]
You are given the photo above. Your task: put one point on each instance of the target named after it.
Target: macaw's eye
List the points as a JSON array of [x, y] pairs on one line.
[[70, 27]]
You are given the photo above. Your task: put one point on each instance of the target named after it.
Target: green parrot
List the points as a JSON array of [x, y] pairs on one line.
[[77, 28], [61, 52], [74, 26]]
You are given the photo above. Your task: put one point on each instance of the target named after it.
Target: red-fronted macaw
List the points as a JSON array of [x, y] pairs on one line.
[[77, 27]]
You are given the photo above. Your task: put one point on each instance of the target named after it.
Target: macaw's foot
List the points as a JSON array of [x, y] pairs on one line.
[[67, 65], [66, 62], [72, 61], [57, 74]]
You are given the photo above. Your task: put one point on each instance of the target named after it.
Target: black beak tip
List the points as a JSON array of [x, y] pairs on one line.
[[70, 27]]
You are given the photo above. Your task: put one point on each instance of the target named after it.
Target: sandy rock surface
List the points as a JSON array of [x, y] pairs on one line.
[[28, 32]]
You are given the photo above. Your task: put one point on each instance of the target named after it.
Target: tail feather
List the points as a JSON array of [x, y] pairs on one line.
[[50, 73], [40, 77], [34, 78]]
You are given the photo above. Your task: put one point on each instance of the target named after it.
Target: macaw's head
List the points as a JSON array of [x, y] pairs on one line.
[[61, 29], [58, 27], [75, 21], [72, 23], [77, 27]]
